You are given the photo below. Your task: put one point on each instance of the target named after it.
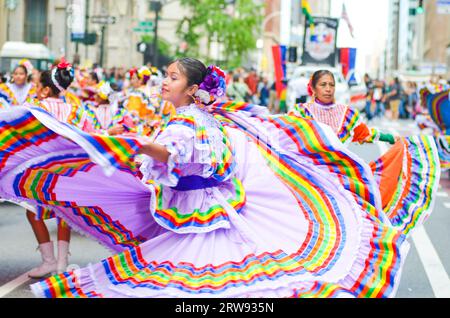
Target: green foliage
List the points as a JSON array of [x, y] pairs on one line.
[[237, 33], [163, 46]]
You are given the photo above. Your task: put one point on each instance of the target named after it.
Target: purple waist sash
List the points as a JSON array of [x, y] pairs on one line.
[[195, 183]]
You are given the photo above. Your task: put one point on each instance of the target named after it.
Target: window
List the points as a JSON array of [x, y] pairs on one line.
[[35, 21]]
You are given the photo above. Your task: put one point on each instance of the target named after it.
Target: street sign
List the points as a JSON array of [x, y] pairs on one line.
[[143, 30], [90, 39], [146, 24], [102, 19]]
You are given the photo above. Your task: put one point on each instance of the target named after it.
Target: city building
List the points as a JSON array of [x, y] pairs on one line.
[[408, 49], [435, 44], [51, 22], [3, 22]]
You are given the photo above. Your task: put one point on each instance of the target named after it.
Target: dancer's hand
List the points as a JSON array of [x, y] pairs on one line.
[[116, 130]]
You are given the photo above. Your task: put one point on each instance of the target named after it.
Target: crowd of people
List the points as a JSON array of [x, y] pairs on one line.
[[402, 100], [169, 172]]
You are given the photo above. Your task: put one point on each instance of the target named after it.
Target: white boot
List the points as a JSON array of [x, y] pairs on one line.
[[48, 265], [63, 259]]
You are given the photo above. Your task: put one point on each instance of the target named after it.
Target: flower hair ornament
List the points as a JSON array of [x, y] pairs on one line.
[[104, 90], [310, 89], [212, 87], [27, 64], [144, 73], [63, 65]]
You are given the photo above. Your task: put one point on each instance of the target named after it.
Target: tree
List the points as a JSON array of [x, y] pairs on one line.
[[164, 47], [236, 26]]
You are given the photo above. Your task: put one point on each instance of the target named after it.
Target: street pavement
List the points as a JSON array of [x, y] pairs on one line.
[[425, 273]]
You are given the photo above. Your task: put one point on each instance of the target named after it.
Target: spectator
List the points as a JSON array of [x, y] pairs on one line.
[[394, 97], [252, 82], [413, 99], [273, 99], [238, 91], [378, 95], [264, 92], [369, 96]]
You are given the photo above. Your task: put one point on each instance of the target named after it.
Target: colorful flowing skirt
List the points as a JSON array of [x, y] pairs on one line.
[[310, 222]]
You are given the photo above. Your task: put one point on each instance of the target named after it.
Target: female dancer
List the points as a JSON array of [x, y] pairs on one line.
[[436, 102], [345, 121], [138, 94], [403, 173], [20, 89], [202, 222], [106, 114]]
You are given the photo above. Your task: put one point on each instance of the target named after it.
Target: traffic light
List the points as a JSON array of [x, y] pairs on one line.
[[420, 8], [292, 54], [141, 47]]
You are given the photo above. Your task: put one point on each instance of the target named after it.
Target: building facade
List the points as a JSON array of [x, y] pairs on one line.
[[50, 22], [3, 22], [417, 41], [437, 39]]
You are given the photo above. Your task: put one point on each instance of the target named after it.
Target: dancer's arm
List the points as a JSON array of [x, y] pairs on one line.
[[155, 151], [363, 134]]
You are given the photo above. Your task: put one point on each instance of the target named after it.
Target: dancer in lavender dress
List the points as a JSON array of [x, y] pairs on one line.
[[228, 201], [19, 90]]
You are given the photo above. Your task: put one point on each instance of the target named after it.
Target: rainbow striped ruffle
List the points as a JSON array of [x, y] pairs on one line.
[[223, 164], [412, 199], [376, 265], [34, 178], [116, 117], [214, 217], [266, 275], [7, 95], [346, 248], [439, 109], [351, 120]]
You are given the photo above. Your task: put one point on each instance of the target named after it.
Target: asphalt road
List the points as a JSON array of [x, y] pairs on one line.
[[425, 274]]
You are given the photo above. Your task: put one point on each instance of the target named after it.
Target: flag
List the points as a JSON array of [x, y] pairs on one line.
[[348, 62], [277, 52], [344, 16], [306, 9]]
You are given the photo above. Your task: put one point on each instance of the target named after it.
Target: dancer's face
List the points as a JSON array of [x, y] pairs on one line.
[[99, 100], [43, 92], [135, 81], [175, 88], [19, 76], [325, 89]]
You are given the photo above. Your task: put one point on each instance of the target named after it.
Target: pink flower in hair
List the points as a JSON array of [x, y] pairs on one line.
[[64, 64]]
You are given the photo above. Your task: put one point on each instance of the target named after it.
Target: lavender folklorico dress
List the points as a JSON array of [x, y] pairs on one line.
[[248, 205]]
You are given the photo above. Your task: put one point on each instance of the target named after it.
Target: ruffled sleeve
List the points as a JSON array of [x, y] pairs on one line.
[[355, 130], [364, 134], [179, 142], [300, 110]]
